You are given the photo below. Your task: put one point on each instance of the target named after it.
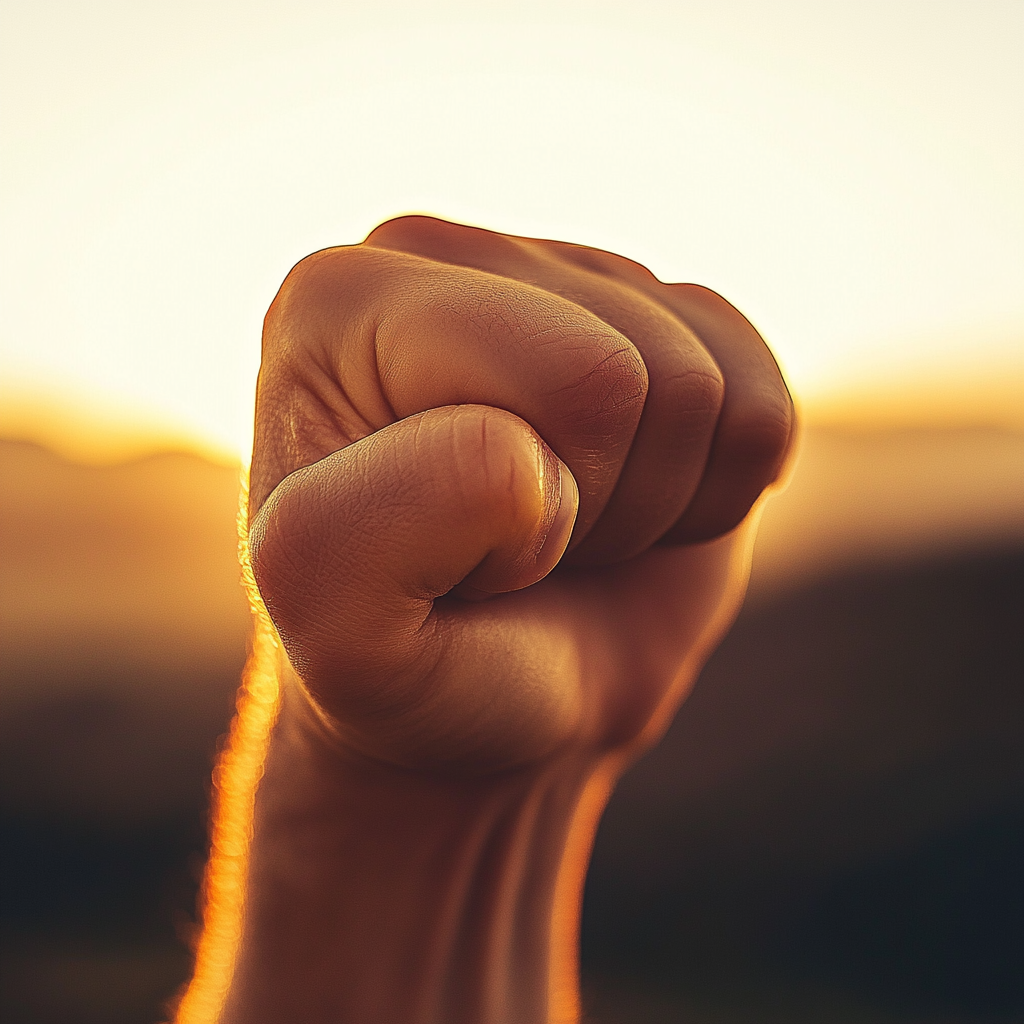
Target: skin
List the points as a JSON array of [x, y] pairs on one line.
[[500, 515]]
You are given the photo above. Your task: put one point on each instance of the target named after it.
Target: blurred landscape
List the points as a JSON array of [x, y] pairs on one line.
[[833, 829]]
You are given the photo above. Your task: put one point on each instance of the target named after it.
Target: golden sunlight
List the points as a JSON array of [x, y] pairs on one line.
[[830, 175]]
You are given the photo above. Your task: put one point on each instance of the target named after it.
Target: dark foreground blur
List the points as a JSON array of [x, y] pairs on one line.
[[833, 829]]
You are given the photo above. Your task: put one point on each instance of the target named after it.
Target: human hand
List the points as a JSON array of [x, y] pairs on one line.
[[496, 500], [436, 408]]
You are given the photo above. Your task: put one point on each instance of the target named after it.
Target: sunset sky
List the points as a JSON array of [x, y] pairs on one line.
[[849, 174]]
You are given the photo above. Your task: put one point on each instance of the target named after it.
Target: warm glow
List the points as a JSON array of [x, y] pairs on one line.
[[928, 399], [848, 175], [83, 428], [234, 792]]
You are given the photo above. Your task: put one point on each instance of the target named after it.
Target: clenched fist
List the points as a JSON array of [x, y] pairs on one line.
[[447, 416], [495, 514]]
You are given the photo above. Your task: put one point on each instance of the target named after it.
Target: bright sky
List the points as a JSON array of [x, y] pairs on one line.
[[849, 174]]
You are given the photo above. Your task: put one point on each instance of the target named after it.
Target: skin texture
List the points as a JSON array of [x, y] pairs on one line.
[[499, 514]]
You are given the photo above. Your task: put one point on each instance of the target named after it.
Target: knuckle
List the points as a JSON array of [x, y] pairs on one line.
[[602, 263], [759, 439], [440, 240], [327, 274], [700, 293], [697, 297], [324, 274], [606, 385], [699, 394], [408, 228], [307, 285], [325, 289]]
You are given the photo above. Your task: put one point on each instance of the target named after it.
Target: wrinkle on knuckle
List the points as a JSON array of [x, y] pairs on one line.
[[520, 311], [698, 392], [612, 387]]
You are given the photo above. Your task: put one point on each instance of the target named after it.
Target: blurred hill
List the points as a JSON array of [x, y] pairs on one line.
[[124, 630], [825, 834], [860, 498]]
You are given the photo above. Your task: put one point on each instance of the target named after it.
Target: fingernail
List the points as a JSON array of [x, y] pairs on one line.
[[557, 538]]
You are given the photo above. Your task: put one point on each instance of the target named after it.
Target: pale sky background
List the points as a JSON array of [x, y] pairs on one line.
[[848, 174]]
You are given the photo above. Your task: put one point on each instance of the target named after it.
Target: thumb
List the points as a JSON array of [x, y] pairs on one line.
[[350, 552]]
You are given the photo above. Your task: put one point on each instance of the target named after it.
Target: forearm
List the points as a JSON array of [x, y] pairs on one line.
[[380, 894], [433, 412]]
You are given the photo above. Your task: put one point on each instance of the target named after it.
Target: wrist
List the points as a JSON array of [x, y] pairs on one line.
[[380, 894]]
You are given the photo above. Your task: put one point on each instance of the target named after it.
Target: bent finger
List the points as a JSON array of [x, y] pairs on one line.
[[359, 338], [755, 425], [670, 448]]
